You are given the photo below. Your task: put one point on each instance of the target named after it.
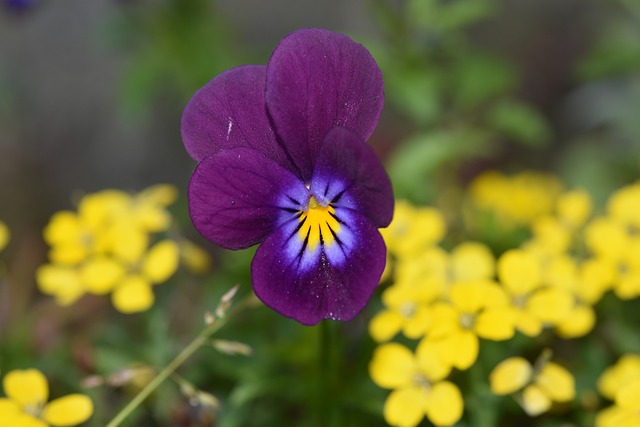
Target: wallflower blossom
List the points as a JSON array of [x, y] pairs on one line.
[[418, 385], [536, 387], [625, 412], [4, 235], [474, 309], [283, 163], [625, 370], [26, 404], [514, 200], [110, 246]]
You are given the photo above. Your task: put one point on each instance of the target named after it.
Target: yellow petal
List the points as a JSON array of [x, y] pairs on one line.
[[418, 324], [63, 226], [69, 253], [527, 323], [68, 410], [100, 274], [627, 396], [556, 382], [551, 305], [8, 407], [430, 361], [385, 325], [26, 387], [392, 366], [472, 261], [133, 295], [126, 240], [497, 324], [461, 349], [99, 209], [161, 261], [626, 369], [519, 271], [26, 420], [61, 282], [535, 401], [468, 297], [4, 235], [404, 407], [445, 404], [574, 207], [195, 258], [613, 416], [510, 376], [578, 323]]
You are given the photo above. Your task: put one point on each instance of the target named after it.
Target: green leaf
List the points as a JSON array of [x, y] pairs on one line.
[[520, 122], [479, 77]]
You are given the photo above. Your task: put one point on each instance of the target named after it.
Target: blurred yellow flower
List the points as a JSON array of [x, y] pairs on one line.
[[614, 378], [108, 247], [515, 200], [417, 384], [536, 387], [475, 309], [26, 404], [413, 229], [4, 235], [625, 412]]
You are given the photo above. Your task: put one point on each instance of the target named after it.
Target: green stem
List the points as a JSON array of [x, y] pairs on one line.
[[324, 381], [168, 370]]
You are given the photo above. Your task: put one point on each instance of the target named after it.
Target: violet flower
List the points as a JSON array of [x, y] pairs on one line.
[[283, 163]]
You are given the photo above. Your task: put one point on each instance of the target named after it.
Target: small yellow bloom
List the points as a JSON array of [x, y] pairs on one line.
[[418, 386], [536, 388], [26, 404], [406, 310], [476, 309], [625, 412], [4, 235], [614, 378], [413, 229]]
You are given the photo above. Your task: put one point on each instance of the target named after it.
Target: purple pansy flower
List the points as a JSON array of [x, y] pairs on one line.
[[283, 163]]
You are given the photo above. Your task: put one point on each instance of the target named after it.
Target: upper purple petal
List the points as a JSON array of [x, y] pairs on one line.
[[318, 79], [349, 174], [332, 280], [238, 197], [230, 112]]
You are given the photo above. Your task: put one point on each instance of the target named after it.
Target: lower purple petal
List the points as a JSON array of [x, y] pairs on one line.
[[331, 280], [238, 197]]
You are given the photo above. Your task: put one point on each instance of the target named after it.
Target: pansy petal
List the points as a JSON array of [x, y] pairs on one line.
[[68, 410], [333, 277], [348, 174], [238, 197], [26, 387], [318, 79], [230, 112]]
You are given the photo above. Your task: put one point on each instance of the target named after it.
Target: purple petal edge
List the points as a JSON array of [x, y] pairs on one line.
[[318, 79]]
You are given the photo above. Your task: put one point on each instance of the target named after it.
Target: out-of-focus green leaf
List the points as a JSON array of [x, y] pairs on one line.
[[414, 164], [450, 15], [479, 77], [521, 122], [618, 52], [415, 93]]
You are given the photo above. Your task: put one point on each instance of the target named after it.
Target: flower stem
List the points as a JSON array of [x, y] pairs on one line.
[[168, 370]]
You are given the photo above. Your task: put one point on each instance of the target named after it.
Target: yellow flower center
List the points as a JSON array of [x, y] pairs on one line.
[[408, 309], [467, 320], [318, 224], [421, 381]]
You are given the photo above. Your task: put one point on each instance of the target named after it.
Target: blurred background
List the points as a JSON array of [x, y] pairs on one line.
[[92, 92]]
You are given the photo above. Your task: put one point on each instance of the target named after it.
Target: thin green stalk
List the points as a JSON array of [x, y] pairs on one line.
[[168, 370], [324, 394]]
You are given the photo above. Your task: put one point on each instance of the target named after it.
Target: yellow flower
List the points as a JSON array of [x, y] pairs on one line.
[[625, 412], [536, 387], [4, 235], [417, 384], [406, 310], [26, 404], [517, 200], [614, 378], [535, 305], [413, 229], [624, 205], [474, 309]]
